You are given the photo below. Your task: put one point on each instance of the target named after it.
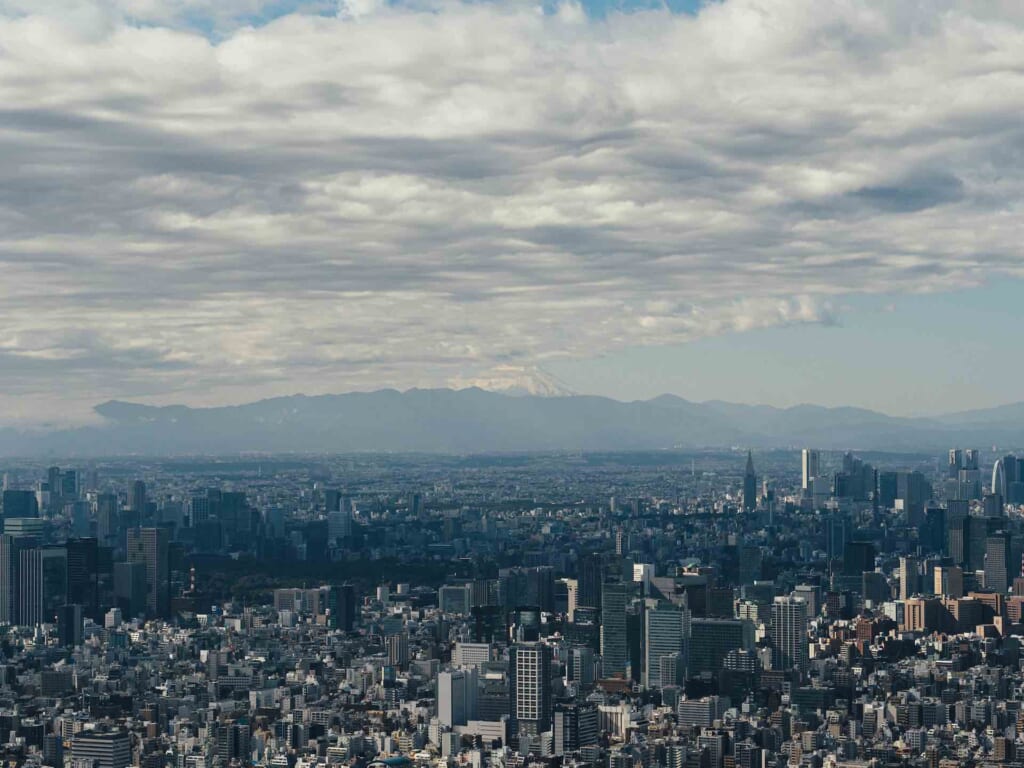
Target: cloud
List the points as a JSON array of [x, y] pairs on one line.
[[385, 195]]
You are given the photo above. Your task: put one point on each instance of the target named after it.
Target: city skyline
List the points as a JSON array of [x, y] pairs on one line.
[[218, 202]]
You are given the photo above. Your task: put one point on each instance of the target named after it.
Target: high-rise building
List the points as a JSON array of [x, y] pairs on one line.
[[663, 636], [530, 688], [20, 504], [457, 696], [398, 650], [810, 465], [138, 498], [342, 607], [614, 631], [83, 575], [749, 485], [591, 576], [574, 726], [233, 741], [789, 634], [711, 640], [949, 581], [43, 584], [151, 546], [130, 590], [909, 577], [964, 476], [997, 562], [69, 625], [10, 556], [107, 519]]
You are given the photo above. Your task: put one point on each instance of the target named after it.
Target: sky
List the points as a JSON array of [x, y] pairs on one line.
[[774, 201]]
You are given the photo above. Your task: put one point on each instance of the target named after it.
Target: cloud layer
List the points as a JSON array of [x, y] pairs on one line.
[[196, 209]]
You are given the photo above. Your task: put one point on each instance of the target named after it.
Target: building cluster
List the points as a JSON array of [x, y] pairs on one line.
[[616, 611]]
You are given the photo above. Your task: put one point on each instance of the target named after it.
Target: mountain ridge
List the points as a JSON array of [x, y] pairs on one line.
[[475, 420]]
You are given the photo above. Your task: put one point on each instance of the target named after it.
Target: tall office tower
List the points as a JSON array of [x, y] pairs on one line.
[[398, 650], [107, 519], [10, 548], [234, 742], [575, 725], [332, 500], [858, 556], [138, 500], [909, 577], [455, 598], [949, 581], [130, 590], [964, 481], [530, 688], [591, 576], [457, 696], [53, 482], [992, 505], [788, 634], [416, 508], [811, 467], [20, 504], [956, 462], [43, 584], [663, 636], [102, 749], [69, 625], [342, 607], [749, 485], [712, 639], [614, 631], [838, 531], [339, 527], [581, 667], [198, 509], [933, 532], [572, 596], [856, 480], [997, 565], [151, 546], [83, 575]]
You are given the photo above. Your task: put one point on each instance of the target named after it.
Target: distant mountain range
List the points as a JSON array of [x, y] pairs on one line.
[[478, 421]]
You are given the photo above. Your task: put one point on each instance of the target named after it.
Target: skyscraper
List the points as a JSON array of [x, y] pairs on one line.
[[591, 573], [663, 636], [530, 687], [138, 500], [789, 633], [749, 485], [43, 584], [457, 696], [810, 466], [150, 546], [83, 575], [997, 566], [614, 631], [909, 578], [10, 548], [20, 504]]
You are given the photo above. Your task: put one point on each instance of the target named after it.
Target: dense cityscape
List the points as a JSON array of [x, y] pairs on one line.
[[654, 610]]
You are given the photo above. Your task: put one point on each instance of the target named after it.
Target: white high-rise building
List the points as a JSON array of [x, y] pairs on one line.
[[789, 633], [457, 696]]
